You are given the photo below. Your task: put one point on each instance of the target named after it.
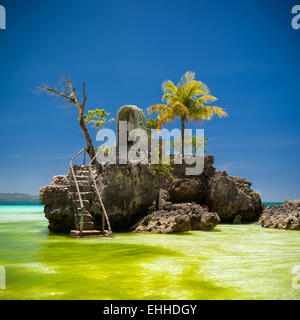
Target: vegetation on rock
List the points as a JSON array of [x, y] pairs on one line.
[[67, 91], [187, 101]]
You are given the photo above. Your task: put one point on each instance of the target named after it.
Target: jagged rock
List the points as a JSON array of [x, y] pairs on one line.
[[178, 218], [164, 222], [200, 216], [61, 219], [58, 208], [231, 196], [54, 194], [183, 188], [179, 170], [128, 191], [227, 195], [186, 190], [60, 180], [285, 216]]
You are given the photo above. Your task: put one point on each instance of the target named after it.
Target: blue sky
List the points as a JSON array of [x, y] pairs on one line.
[[245, 51]]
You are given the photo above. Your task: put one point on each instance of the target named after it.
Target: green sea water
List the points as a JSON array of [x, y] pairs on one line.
[[231, 262]]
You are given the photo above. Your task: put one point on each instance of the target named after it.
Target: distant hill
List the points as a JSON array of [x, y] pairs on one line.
[[18, 197]]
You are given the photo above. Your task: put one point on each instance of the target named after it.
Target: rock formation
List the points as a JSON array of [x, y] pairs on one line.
[[58, 207], [129, 190], [186, 190], [232, 196], [285, 216], [178, 217]]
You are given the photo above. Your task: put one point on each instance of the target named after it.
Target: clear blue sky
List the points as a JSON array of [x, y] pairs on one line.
[[245, 51]]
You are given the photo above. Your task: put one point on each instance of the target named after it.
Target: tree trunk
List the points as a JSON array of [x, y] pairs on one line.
[[89, 144], [182, 135]]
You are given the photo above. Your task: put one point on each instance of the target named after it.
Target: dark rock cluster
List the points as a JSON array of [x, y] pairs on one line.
[[231, 197], [58, 207], [285, 216], [129, 193], [178, 217]]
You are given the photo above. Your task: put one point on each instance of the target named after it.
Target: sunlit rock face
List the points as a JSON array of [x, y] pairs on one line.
[[58, 207], [178, 217], [231, 197], [128, 191], [285, 216]]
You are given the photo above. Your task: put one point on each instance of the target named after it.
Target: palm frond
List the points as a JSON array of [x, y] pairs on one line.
[[167, 97], [199, 114], [206, 112], [158, 108], [205, 99], [169, 86], [218, 111], [186, 101], [168, 117], [179, 109], [187, 78], [194, 89]]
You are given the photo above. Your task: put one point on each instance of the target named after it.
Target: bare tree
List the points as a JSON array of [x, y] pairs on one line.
[[67, 92]]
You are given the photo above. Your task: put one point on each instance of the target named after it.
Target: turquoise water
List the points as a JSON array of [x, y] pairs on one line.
[[231, 262], [273, 203]]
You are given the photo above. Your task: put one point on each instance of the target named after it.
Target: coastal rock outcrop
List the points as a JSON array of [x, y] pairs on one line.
[[58, 205], [61, 218], [231, 196], [54, 194], [285, 216], [178, 217], [186, 190], [128, 191]]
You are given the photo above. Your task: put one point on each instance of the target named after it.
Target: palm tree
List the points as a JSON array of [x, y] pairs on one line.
[[185, 101]]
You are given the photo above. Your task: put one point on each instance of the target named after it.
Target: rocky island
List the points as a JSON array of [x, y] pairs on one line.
[[139, 198]]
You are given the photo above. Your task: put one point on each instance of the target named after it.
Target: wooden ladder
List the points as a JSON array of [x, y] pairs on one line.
[[83, 219]]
